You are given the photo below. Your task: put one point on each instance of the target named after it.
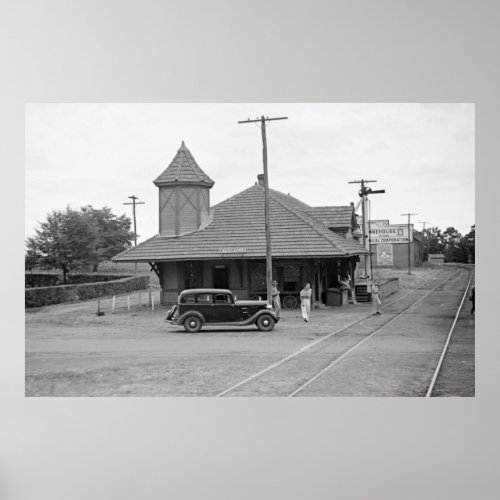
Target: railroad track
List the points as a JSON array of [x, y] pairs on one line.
[[316, 359], [430, 390]]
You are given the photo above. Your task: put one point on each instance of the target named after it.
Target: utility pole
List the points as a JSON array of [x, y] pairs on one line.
[[426, 242], [409, 238], [134, 203], [364, 192], [369, 217], [269, 265]]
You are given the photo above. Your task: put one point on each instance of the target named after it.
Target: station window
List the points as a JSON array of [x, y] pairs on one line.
[[193, 274]]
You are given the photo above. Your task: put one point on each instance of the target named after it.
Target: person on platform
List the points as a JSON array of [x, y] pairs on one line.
[[276, 299], [472, 298], [345, 285], [305, 301], [375, 298]]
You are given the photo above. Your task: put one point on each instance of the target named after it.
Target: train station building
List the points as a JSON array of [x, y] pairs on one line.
[[225, 246]]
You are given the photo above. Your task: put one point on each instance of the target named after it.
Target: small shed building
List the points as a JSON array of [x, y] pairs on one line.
[[436, 259]]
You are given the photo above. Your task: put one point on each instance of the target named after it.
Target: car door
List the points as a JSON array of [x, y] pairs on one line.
[[205, 305], [224, 308]]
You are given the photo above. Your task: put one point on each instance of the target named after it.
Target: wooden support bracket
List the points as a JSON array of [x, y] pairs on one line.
[[156, 269]]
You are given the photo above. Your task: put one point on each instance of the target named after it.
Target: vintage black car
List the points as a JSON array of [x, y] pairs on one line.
[[213, 306]]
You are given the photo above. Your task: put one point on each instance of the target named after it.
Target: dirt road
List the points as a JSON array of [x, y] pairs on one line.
[[70, 351]]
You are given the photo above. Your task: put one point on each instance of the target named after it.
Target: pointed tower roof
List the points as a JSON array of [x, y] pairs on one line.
[[183, 169]]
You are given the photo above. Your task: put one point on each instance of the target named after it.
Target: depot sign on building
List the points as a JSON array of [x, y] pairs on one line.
[[383, 232]]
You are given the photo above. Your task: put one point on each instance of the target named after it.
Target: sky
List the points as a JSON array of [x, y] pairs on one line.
[[423, 155]]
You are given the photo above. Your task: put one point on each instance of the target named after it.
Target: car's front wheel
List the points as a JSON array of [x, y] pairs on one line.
[[192, 324], [265, 323]]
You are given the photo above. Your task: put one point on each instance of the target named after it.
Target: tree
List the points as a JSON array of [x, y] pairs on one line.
[[71, 239], [30, 260], [113, 232], [450, 243], [434, 241], [471, 244], [453, 246], [64, 241]]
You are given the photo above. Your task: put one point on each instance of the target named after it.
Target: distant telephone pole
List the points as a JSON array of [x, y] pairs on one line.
[[269, 266], [134, 203], [409, 238], [426, 239]]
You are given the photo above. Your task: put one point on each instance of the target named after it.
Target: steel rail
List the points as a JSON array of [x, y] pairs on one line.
[[349, 351], [289, 357], [326, 337], [445, 348]]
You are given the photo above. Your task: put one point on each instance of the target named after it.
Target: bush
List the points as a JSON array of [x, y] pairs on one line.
[[39, 279], [76, 279], [42, 296]]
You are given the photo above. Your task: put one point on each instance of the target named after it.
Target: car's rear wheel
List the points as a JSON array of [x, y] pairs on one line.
[[192, 324], [265, 323]]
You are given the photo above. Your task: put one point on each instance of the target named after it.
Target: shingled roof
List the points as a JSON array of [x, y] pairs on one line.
[[183, 169], [334, 217], [238, 224]]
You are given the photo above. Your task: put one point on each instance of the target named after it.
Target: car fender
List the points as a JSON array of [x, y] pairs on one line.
[[253, 318], [171, 313], [180, 319]]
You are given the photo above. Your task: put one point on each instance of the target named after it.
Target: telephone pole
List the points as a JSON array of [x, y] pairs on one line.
[[426, 242], [364, 192], [409, 238], [269, 265], [134, 203]]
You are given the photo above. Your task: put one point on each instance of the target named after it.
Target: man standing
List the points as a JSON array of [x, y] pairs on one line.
[[375, 298], [472, 298], [305, 301], [276, 299], [345, 285]]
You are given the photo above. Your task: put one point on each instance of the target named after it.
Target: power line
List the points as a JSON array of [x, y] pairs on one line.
[[134, 203], [409, 258], [269, 266], [424, 223], [426, 237], [363, 193], [363, 207]]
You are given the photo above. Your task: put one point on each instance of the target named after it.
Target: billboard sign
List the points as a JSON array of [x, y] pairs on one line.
[[385, 255], [380, 232]]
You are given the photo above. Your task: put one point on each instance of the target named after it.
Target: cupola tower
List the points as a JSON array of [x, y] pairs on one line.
[[184, 195]]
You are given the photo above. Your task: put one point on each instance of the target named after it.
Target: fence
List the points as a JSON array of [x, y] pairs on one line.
[[388, 287], [143, 300]]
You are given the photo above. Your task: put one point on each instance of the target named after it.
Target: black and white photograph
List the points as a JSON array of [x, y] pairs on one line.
[[250, 253], [188, 250]]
